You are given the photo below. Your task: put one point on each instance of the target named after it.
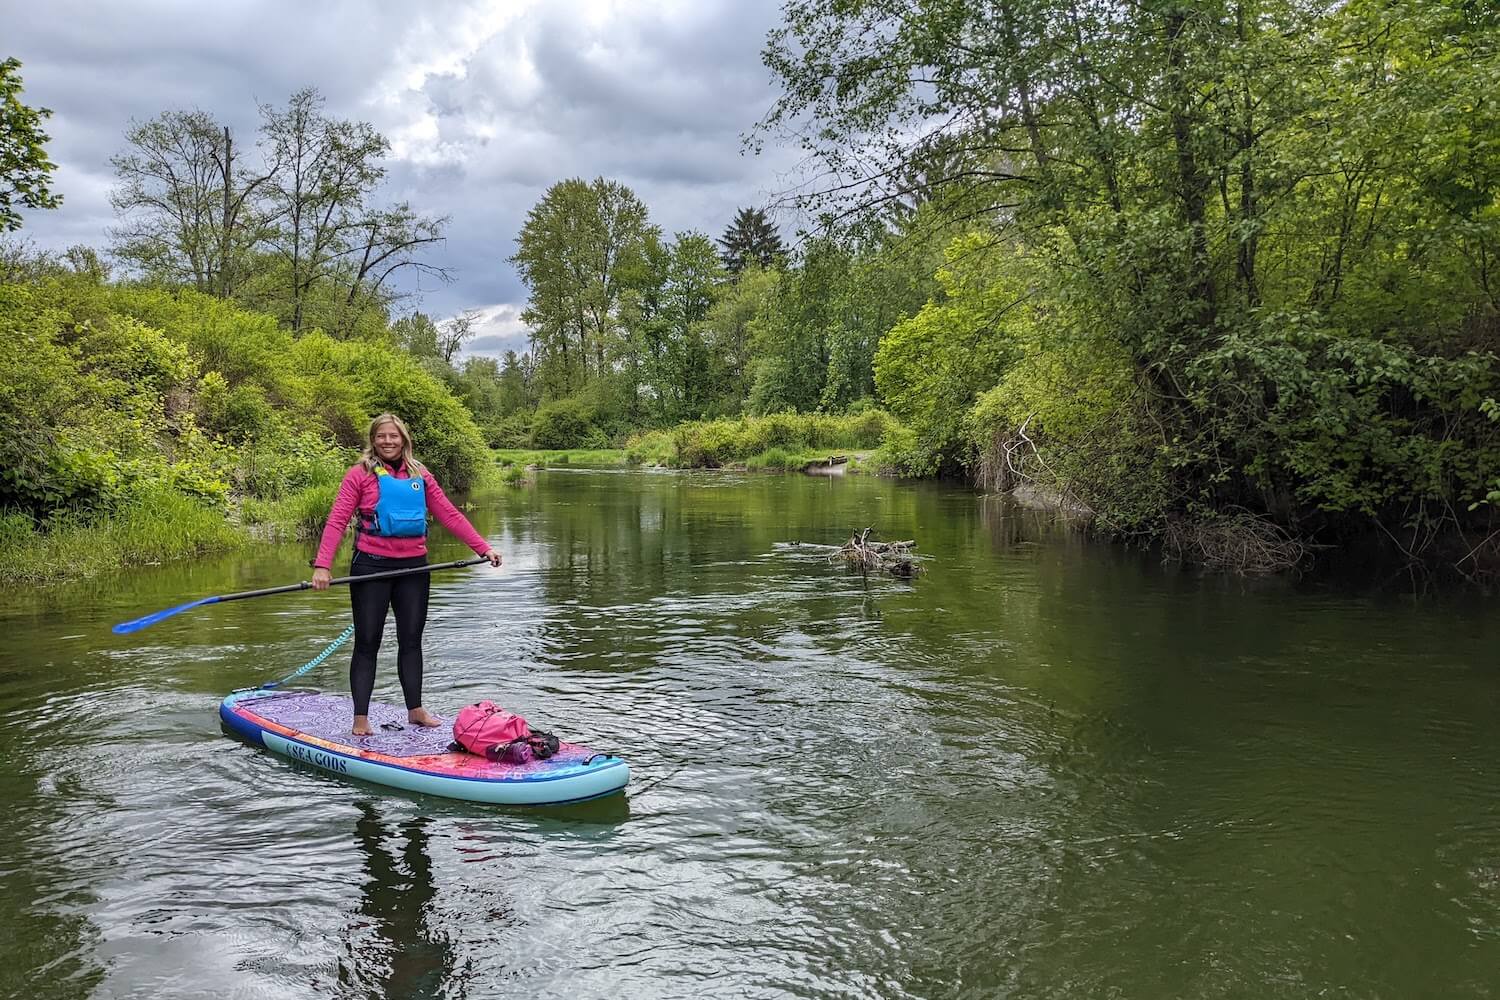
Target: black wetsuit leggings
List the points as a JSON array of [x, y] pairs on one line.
[[407, 596]]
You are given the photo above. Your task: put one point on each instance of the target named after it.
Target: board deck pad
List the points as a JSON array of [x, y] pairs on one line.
[[328, 717], [313, 727]]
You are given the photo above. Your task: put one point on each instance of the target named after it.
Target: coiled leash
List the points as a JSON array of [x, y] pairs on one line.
[[328, 651]]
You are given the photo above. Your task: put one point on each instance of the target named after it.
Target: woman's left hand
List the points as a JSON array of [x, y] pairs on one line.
[[493, 557]]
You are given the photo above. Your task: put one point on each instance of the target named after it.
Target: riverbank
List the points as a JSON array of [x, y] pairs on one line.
[[158, 527], [870, 441], [145, 425]]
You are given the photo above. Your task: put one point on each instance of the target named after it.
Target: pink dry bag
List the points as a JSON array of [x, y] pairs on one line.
[[490, 731]]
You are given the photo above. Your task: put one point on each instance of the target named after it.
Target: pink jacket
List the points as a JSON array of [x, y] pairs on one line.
[[359, 492]]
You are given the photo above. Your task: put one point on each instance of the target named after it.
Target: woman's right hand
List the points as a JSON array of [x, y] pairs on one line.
[[321, 578]]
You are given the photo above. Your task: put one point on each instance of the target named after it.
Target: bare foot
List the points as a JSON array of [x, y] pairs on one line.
[[422, 717], [362, 726]]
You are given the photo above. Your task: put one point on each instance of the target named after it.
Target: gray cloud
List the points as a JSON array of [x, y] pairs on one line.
[[485, 106]]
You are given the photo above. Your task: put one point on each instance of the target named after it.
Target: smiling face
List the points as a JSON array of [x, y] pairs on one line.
[[389, 442]]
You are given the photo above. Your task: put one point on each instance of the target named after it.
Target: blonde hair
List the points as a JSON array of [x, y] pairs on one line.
[[370, 459]]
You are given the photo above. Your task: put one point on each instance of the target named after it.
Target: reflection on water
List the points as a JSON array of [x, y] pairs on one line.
[[397, 949], [1044, 769]]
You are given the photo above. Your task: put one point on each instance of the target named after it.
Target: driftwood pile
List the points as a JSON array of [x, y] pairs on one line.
[[895, 558]]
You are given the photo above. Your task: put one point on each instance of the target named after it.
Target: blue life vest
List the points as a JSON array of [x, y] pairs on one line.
[[401, 511]]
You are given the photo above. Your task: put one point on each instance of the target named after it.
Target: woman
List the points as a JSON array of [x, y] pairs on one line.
[[392, 493]]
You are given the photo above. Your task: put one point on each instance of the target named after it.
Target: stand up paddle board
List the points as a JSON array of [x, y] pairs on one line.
[[313, 728]]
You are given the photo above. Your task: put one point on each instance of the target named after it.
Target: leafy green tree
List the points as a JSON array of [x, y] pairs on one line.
[[932, 368], [577, 251], [25, 169], [1281, 214], [679, 377], [750, 239], [512, 384], [730, 329], [792, 343], [417, 334], [86, 262]]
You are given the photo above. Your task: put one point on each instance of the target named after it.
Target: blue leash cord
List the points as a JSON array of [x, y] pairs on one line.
[[327, 652]]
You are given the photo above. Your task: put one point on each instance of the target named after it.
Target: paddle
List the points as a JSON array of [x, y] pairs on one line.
[[135, 625]]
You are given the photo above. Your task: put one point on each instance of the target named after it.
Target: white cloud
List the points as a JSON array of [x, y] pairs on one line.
[[486, 105], [499, 329]]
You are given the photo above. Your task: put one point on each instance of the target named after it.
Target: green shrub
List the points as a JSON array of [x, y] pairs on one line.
[[140, 420], [510, 432], [714, 443], [563, 423]]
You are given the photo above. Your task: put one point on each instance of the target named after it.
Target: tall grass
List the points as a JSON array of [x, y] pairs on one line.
[[296, 517], [777, 460], [157, 526]]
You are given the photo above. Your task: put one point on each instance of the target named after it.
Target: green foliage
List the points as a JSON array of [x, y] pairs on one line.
[[25, 170], [582, 246], [730, 331], [118, 402], [565, 423], [1237, 259], [676, 372], [776, 460], [300, 515], [156, 524], [931, 368], [716, 443]]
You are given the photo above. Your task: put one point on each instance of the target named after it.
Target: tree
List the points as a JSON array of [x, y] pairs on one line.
[[577, 252], [1284, 214], [383, 242], [730, 330], [299, 232], [188, 210], [750, 239], [86, 262], [679, 374], [417, 334], [457, 331], [317, 198], [25, 169], [792, 342], [513, 394]]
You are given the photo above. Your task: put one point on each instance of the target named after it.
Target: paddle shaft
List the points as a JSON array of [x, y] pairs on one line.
[[304, 585], [368, 576], [135, 625]]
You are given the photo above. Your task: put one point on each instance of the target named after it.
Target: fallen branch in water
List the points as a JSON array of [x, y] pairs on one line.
[[1237, 540], [865, 555]]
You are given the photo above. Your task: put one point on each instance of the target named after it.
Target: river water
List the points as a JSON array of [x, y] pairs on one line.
[[1045, 769]]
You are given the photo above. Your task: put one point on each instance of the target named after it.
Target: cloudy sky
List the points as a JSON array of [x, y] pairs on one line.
[[485, 103]]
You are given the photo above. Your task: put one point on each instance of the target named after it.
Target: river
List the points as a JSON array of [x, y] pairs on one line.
[[1047, 768]]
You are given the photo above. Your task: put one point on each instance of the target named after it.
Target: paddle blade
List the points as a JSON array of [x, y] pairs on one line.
[[136, 624]]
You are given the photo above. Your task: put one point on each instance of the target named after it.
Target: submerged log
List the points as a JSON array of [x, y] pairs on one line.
[[896, 558]]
